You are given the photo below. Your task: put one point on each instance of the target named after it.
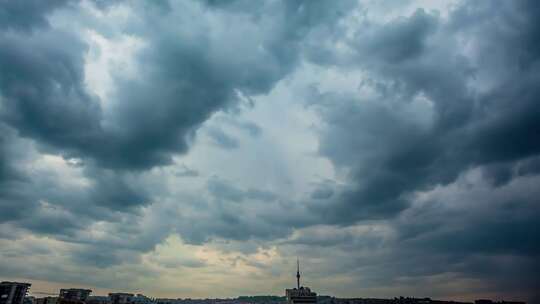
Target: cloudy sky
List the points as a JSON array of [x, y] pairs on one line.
[[197, 148]]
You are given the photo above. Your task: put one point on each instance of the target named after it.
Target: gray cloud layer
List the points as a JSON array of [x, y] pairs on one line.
[[441, 99]]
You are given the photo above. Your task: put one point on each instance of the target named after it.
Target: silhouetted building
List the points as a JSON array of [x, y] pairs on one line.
[[98, 300], [47, 300], [13, 292], [484, 301], [121, 298], [300, 294], [74, 294]]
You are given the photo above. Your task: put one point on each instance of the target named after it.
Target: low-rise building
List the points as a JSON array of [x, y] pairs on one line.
[[13, 292], [121, 298], [47, 300], [74, 294], [98, 300]]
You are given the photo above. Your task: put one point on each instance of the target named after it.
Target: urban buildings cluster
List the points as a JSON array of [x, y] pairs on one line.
[[17, 293]]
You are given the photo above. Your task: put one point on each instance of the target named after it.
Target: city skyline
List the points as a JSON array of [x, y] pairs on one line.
[[17, 293], [198, 148]]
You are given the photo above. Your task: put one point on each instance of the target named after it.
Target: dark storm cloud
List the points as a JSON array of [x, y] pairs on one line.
[[7, 172], [178, 74], [529, 167], [181, 82], [97, 256], [116, 192], [52, 220], [233, 213], [17, 199], [41, 88], [444, 97], [470, 234], [182, 78], [489, 238], [24, 15], [181, 85], [38, 202], [230, 223], [222, 189], [397, 41], [323, 191], [392, 153], [438, 112]]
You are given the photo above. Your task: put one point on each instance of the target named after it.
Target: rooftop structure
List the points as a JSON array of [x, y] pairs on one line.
[[121, 298], [74, 294], [13, 292]]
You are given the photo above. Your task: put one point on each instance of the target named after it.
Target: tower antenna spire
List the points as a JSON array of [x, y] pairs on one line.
[[298, 273]]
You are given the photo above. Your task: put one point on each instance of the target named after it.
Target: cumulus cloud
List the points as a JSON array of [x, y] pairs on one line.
[[424, 123]]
